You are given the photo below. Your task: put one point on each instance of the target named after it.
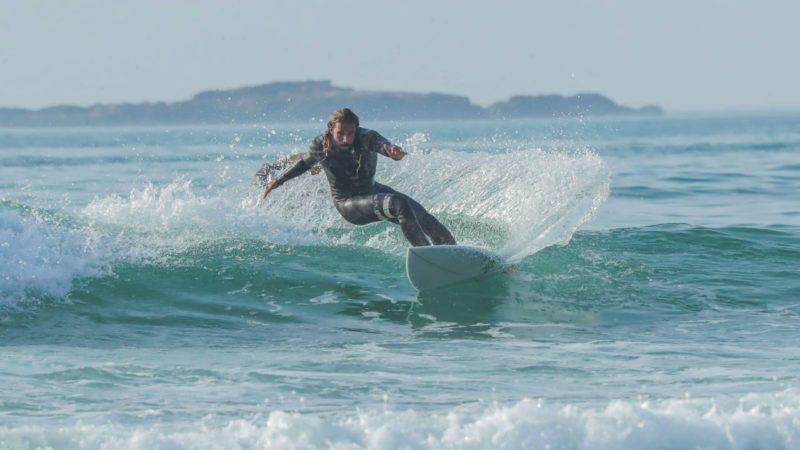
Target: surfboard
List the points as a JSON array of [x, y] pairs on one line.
[[441, 265]]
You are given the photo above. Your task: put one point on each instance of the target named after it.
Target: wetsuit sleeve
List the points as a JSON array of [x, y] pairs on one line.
[[298, 169], [376, 142], [308, 161]]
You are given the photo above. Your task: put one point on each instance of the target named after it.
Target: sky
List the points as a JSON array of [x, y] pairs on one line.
[[702, 55]]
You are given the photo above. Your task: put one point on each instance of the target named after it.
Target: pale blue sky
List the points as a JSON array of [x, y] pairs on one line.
[[682, 55]]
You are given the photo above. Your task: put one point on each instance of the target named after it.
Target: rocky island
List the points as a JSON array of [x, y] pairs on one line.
[[305, 100]]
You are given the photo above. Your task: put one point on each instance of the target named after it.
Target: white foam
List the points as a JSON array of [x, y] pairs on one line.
[[764, 421], [178, 215], [41, 259], [327, 298]]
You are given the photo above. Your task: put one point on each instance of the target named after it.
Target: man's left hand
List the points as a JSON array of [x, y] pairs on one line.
[[394, 151]]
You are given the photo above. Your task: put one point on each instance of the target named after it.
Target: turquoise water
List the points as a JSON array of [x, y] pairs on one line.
[[148, 301]]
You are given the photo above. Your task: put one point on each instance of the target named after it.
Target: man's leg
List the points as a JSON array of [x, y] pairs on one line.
[[364, 209], [437, 232]]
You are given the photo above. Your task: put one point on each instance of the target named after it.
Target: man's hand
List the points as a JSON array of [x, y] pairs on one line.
[[394, 151], [269, 188]]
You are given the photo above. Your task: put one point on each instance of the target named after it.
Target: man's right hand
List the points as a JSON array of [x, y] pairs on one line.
[[271, 185]]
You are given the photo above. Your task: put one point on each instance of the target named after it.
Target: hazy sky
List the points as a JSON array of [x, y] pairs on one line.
[[682, 55]]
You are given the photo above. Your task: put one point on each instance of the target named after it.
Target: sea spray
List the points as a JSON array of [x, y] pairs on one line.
[[520, 201], [155, 221], [40, 258], [531, 198]]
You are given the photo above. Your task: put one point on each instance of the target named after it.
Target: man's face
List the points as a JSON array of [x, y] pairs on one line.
[[344, 134]]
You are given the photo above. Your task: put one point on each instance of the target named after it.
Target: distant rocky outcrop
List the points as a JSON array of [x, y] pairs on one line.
[[304, 100], [557, 105]]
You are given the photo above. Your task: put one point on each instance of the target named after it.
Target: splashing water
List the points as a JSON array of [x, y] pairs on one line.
[[42, 259], [520, 201]]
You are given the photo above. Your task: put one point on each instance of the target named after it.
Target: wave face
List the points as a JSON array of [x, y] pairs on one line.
[[148, 301]]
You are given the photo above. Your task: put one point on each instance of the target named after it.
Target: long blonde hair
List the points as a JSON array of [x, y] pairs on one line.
[[343, 115]]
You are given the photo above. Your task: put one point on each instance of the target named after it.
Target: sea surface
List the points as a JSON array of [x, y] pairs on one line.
[[148, 301]]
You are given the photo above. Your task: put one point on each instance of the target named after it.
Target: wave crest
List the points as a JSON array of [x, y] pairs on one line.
[[41, 259]]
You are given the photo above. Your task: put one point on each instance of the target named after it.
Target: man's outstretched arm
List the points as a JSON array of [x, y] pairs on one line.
[[263, 174]]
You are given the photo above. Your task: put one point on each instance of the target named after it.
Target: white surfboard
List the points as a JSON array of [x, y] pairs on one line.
[[441, 265]]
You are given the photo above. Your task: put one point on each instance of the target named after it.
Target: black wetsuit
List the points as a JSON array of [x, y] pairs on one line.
[[359, 199]]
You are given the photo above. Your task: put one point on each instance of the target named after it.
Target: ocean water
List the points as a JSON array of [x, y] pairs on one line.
[[147, 301]]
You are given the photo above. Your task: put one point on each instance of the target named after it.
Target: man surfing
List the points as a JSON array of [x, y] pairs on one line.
[[349, 156]]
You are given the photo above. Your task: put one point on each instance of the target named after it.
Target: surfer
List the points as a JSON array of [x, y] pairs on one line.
[[349, 156]]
